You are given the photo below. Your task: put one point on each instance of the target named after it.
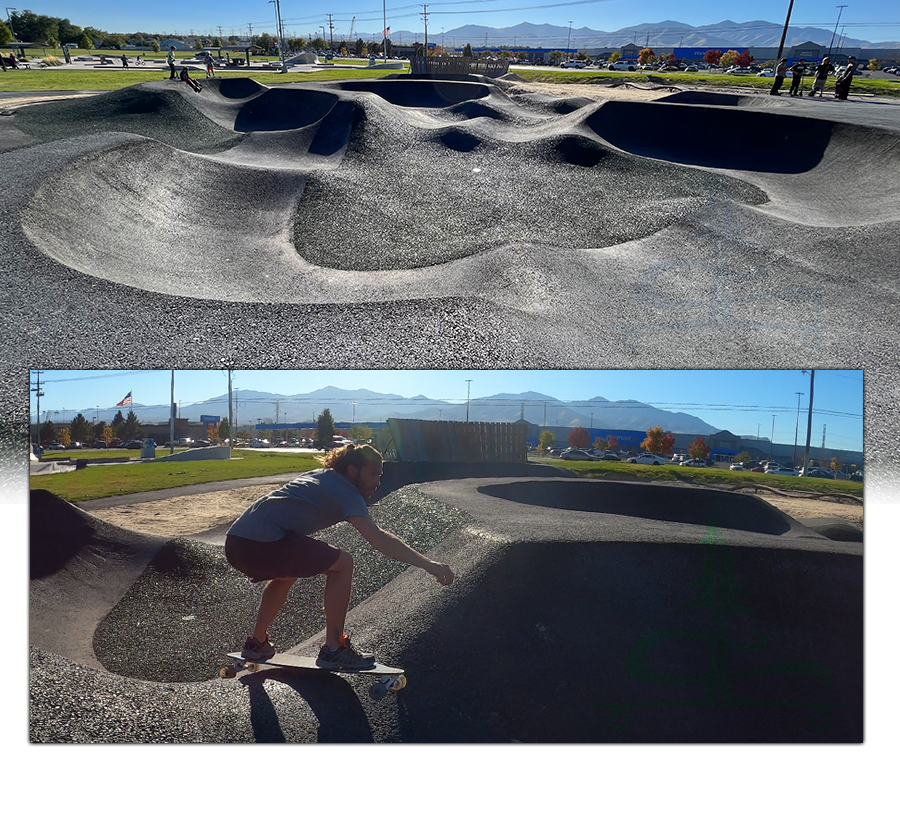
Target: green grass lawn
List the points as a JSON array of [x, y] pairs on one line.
[[879, 87], [706, 477], [94, 482]]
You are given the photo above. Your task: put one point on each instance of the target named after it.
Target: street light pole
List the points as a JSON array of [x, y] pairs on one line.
[[812, 380], [833, 33], [569, 40], [468, 395], [796, 428], [787, 21], [772, 439]]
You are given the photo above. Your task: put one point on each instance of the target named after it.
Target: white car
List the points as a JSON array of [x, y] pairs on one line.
[[781, 470], [739, 71], [735, 467], [693, 462], [622, 66], [767, 72], [647, 458], [574, 63]]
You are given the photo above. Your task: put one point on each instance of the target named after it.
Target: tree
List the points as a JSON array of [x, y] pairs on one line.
[[107, 434], [118, 420], [47, 431], [325, 429], [131, 427], [6, 36], [361, 433], [744, 59], [359, 47], [546, 439], [80, 428], [224, 429], [86, 43], [318, 44], [874, 65], [615, 56], [601, 444], [728, 58], [154, 46], [712, 57], [467, 51], [65, 436], [658, 442], [98, 429], [212, 433], [742, 457], [613, 442], [646, 57], [698, 448], [217, 43], [579, 437], [556, 57], [835, 465]]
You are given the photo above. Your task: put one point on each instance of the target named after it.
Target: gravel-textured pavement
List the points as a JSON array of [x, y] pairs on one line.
[[412, 223]]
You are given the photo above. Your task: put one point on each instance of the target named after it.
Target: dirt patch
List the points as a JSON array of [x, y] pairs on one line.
[[624, 91], [197, 513]]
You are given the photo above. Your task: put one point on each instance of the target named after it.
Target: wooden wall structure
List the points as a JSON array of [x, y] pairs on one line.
[[459, 441], [457, 65]]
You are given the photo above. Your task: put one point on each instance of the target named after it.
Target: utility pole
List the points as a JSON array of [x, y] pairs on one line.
[[172, 417], [796, 429], [331, 32], [812, 381], [772, 439], [37, 389], [468, 395], [568, 41], [784, 31], [230, 413], [424, 16], [823, 445], [833, 33]]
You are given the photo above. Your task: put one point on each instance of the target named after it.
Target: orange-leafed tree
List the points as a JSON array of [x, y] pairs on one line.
[[712, 57], [698, 448], [646, 56], [658, 442], [579, 437], [744, 59], [613, 442]]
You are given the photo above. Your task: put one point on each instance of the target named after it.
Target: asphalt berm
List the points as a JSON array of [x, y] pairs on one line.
[[578, 616], [409, 223]]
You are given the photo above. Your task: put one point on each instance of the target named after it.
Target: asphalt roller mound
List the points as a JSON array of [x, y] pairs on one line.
[[560, 627]]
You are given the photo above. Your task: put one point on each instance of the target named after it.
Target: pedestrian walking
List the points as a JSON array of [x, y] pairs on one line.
[[780, 74], [842, 86], [124, 62], [824, 68], [798, 71], [170, 61]]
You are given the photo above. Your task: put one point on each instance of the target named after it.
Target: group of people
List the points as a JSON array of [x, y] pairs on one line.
[[822, 70], [184, 74]]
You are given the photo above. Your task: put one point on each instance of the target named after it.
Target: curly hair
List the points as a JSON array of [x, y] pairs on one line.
[[357, 455]]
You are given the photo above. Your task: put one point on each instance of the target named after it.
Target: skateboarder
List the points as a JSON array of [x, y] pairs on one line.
[[822, 70], [270, 542], [186, 77], [170, 61], [797, 71], [210, 66], [780, 74]]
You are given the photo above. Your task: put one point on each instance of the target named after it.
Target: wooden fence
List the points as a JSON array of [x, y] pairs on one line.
[[457, 65], [466, 442]]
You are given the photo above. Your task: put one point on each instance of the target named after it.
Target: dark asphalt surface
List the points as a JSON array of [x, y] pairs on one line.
[[687, 631], [158, 227]]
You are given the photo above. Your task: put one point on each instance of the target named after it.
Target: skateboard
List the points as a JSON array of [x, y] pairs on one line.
[[390, 679]]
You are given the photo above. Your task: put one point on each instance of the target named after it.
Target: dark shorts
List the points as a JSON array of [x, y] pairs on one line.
[[292, 556]]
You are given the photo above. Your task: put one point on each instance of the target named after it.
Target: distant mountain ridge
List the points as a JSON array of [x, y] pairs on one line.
[[664, 34], [369, 406]]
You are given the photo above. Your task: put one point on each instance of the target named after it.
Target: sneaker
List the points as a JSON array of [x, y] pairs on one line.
[[345, 657], [254, 651]]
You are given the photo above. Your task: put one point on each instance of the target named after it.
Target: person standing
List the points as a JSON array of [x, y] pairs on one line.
[[822, 70], [124, 62], [780, 74], [842, 86], [210, 66], [798, 70], [170, 61]]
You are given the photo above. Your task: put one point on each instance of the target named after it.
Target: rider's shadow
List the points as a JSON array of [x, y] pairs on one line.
[[330, 698]]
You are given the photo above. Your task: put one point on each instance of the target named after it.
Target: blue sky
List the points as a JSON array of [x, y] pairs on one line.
[[864, 20], [742, 401]]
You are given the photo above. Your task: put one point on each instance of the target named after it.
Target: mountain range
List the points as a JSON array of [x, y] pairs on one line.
[[370, 407], [664, 34]]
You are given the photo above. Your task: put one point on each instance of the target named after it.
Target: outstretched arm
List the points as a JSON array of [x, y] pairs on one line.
[[392, 546]]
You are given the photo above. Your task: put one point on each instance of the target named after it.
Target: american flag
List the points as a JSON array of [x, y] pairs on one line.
[[386, 31], [125, 401]]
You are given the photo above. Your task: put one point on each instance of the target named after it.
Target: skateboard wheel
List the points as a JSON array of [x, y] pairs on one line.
[[227, 672], [378, 691], [399, 684], [252, 666]]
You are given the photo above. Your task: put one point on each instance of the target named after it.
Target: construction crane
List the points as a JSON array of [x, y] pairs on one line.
[[350, 35]]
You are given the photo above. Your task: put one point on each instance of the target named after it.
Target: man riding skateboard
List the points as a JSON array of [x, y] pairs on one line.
[[270, 542]]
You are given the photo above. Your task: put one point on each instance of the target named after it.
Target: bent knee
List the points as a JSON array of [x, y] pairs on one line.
[[344, 562]]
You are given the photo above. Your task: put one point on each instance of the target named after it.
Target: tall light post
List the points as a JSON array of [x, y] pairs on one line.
[[569, 40], [833, 33], [280, 31], [468, 395], [772, 439], [812, 381], [796, 428], [9, 20]]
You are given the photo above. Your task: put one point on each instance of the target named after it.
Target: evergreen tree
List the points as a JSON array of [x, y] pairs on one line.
[[325, 429]]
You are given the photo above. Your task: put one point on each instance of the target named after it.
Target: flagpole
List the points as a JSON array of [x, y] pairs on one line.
[[172, 418], [384, 29]]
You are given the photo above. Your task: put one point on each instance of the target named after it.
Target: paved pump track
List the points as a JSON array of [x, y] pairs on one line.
[[598, 618], [462, 223]]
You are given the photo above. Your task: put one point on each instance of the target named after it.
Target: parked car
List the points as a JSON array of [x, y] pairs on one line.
[[736, 467], [782, 470], [74, 445], [56, 446], [856, 476], [259, 443], [735, 71], [817, 472], [573, 63], [577, 455], [767, 72], [621, 66], [608, 455], [678, 457], [100, 444], [647, 458], [134, 444], [693, 462], [691, 69], [201, 442]]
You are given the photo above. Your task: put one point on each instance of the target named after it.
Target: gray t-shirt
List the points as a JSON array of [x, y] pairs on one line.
[[312, 502]]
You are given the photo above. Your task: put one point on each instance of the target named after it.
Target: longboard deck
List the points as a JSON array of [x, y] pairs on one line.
[[309, 663]]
